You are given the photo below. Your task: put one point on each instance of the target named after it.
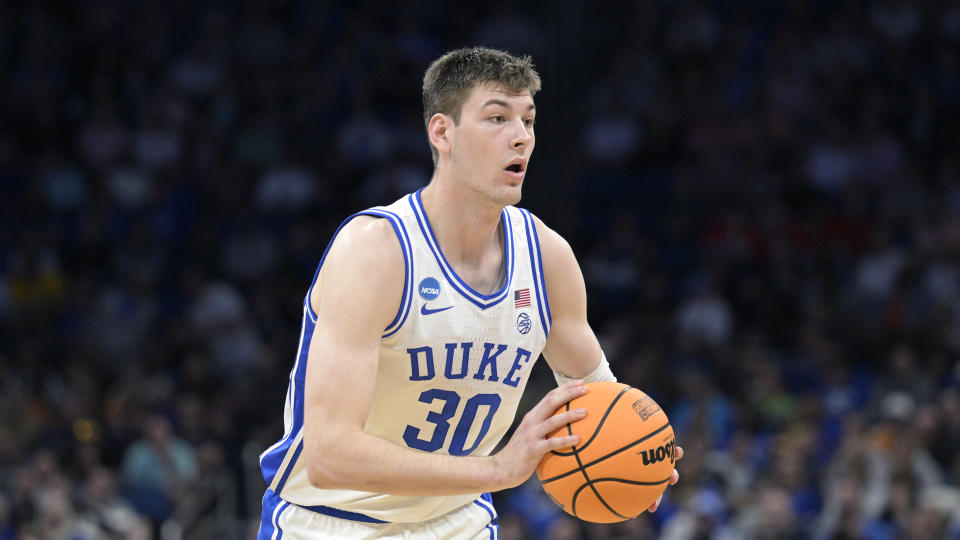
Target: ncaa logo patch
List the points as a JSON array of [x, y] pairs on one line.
[[524, 323], [429, 289]]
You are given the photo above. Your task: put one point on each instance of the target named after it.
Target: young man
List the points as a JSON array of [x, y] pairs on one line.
[[421, 327]]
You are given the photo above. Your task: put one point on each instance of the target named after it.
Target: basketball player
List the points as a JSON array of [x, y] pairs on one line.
[[420, 329]]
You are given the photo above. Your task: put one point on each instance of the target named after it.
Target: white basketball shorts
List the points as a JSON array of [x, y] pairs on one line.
[[281, 520]]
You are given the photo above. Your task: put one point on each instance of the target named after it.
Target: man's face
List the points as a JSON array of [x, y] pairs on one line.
[[492, 143]]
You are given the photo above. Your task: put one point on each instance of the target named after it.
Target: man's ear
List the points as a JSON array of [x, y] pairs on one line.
[[440, 132]]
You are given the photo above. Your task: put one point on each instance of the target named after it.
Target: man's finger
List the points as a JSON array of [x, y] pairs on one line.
[[674, 477], [562, 419], [558, 396], [556, 443]]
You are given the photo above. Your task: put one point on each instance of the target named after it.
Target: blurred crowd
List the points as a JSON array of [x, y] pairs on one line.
[[764, 198]]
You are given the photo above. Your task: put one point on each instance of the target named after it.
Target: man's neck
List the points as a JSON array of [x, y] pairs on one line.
[[465, 225]]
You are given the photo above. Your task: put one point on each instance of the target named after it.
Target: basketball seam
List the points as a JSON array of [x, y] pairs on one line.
[[632, 482], [611, 454], [583, 470], [600, 425], [598, 480]]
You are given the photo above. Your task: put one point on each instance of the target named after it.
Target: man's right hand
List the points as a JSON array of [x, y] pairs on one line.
[[514, 464]]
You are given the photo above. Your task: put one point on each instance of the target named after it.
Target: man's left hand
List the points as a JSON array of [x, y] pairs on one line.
[[674, 478]]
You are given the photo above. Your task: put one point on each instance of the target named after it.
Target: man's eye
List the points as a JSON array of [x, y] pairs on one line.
[[529, 122], [497, 118]]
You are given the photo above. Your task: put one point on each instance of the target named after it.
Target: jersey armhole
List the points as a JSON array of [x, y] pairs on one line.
[[405, 247]]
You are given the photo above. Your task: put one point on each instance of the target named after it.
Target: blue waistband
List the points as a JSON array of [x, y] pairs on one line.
[[326, 510], [343, 514]]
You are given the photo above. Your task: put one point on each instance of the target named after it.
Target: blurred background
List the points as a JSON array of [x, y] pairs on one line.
[[764, 198]]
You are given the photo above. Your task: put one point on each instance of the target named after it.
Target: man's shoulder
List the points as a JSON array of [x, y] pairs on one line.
[[546, 236], [366, 232], [364, 255]]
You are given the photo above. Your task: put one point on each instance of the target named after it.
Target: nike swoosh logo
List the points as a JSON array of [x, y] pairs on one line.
[[426, 311]]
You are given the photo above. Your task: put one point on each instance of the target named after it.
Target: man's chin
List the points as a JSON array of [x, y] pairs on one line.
[[509, 195]]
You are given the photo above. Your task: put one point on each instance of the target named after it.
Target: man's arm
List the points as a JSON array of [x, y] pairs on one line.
[[572, 349], [362, 280]]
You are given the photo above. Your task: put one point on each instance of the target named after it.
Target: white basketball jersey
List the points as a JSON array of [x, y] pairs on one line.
[[453, 366]]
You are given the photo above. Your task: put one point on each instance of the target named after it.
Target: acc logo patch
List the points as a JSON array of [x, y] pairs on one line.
[[524, 323], [429, 289], [645, 407]]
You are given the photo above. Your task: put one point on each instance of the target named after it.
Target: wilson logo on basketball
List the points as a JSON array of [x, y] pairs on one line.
[[658, 454], [645, 407]]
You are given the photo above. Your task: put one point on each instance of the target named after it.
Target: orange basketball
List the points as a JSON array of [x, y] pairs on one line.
[[623, 461]]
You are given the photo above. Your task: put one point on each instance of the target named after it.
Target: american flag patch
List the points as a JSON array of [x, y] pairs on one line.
[[521, 298]]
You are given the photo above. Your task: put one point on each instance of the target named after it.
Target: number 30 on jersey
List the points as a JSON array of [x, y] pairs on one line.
[[441, 421]]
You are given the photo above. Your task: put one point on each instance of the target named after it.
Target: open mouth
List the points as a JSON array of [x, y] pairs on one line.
[[515, 168]]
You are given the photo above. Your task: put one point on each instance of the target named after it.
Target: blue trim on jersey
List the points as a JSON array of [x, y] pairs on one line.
[[539, 286], [286, 473], [405, 303], [272, 459], [343, 514], [294, 368], [401, 230], [483, 301], [539, 270]]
